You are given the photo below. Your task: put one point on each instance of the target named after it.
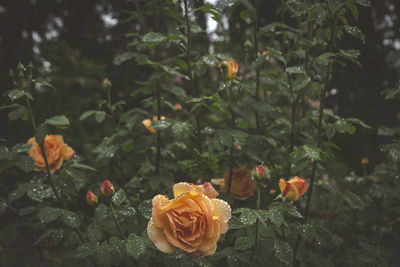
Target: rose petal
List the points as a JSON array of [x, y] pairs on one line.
[[223, 211], [157, 236], [181, 188]]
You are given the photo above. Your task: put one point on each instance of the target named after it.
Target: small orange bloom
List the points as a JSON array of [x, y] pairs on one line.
[[294, 188], [364, 161], [228, 69], [56, 152], [178, 106], [147, 123], [242, 185], [193, 221], [91, 198], [107, 188]]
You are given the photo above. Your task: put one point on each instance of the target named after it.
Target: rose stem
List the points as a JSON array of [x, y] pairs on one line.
[[116, 221], [255, 33], [190, 74], [319, 134], [257, 221], [230, 97], [158, 155], [42, 148]]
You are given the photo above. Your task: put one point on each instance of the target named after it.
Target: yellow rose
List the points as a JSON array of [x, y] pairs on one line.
[[294, 188], [147, 123], [193, 221], [242, 185], [56, 152], [228, 69]]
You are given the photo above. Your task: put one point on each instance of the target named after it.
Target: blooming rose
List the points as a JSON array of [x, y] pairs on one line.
[[228, 69], [193, 221], [147, 123], [242, 185], [294, 188], [56, 152]]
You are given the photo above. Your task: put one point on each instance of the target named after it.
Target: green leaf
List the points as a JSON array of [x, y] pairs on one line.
[[312, 152], [17, 113], [82, 166], [324, 58], [247, 216], [6, 154], [86, 114], [181, 129], [275, 216], [353, 200], [60, 121], [154, 38], [48, 214], [16, 94], [39, 192], [85, 250], [393, 150], [25, 163], [160, 125], [70, 218], [119, 197], [94, 232], [308, 232], [355, 32], [100, 116], [301, 82], [296, 70], [145, 208], [342, 126], [277, 54], [135, 246], [292, 210], [364, 3], [283, 251], [44, 83], [244, 243], [127, 211], [19, 148]]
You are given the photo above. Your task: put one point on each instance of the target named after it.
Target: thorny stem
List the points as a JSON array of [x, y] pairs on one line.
[[116, 220], [193, 87]]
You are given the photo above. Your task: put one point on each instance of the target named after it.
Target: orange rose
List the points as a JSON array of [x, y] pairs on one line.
[[56, 152], [193, 221], [294, 188], [147, 123], [242, 185], [228, 69]]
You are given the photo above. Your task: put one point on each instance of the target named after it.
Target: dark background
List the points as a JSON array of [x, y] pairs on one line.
[[73, 48]]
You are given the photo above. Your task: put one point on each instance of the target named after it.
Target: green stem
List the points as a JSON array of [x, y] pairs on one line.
[[28, 103], [257, 220], [158, 153], [116, 220], [230, 98], [255, 32]]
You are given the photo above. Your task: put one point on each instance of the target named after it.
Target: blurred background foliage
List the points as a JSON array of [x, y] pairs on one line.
[[73, 44]]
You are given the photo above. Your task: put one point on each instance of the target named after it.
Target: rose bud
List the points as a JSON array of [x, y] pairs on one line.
[[107, 84], [91, 198], [178, 107], [364, 161], [107, 188], [228, 69], [259, 172], [294, 188]]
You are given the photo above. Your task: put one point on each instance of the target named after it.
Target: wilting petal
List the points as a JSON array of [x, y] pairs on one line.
[[209, 190], [157, 236]]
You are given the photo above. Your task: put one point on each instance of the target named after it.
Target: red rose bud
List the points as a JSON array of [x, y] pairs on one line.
[[91, 198], [259, 172], [107, 84], [294, 188], [178, 107], [107, 188]]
